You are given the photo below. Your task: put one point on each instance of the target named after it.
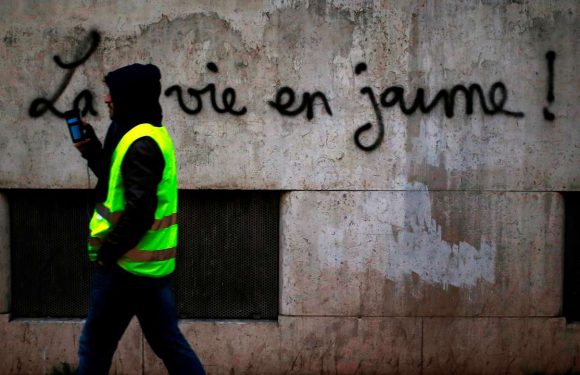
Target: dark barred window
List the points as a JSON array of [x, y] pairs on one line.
[[572, 256], [227, 260]]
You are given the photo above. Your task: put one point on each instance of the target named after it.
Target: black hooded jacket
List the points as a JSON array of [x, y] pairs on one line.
[[135, 91]]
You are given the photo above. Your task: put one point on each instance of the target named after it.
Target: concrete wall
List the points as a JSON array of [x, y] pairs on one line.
[[430, 243]]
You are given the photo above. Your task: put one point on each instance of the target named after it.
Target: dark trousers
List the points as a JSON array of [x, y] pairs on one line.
[[117, 296]]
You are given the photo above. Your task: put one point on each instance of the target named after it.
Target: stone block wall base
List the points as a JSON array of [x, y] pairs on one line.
[[39, 346], [500, 346], [331, 345], [319, 345]]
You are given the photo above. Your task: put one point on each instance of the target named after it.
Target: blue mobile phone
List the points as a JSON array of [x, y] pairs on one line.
[[75, 126]]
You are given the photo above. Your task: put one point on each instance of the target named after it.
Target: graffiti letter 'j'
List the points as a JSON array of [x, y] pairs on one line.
[[381, 133]]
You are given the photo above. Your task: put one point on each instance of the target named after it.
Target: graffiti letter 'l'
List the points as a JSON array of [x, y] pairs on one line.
[[550, 56], [40, 106]]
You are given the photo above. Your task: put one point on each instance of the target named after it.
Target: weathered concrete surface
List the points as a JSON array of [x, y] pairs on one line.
[[328, 345], [4, 255], [344, 254], [421, 254], [262, 46], [228, 347], [320, 345], [350, 345], [500, 346], [299, 345], [37, 347]]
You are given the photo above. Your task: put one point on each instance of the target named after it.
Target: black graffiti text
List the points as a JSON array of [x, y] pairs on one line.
[[492, 101], [228, 97], [550, 56], [395, 96], [285, 98], [40, 106]]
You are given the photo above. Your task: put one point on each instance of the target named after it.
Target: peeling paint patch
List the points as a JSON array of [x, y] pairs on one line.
[[400, 238], [416, 245], [422, 250]]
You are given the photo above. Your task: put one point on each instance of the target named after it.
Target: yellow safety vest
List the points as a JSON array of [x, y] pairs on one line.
[[154, 255]]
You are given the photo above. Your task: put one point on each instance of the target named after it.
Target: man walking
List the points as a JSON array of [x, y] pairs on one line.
[[134, 227]]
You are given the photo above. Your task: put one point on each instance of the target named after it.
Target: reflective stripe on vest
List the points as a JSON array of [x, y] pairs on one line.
[[154, 255]]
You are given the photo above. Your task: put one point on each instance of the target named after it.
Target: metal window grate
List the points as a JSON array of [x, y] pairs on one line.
[[571, 305], [227, 262], [50, 271], [227, 254]]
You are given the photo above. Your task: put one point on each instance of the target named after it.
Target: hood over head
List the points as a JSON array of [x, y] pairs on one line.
[[135, 91]]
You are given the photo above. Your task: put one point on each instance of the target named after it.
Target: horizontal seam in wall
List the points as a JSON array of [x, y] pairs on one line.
[[433, 190], [428, 316], [282, 190]]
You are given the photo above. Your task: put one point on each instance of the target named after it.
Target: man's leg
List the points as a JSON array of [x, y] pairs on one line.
[[109, 315], [157, 315]]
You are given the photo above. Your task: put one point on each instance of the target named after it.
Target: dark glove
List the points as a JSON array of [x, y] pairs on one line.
[[106, 255]]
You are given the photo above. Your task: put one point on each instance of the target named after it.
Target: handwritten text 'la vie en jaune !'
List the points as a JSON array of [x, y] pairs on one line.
[[285, 101]]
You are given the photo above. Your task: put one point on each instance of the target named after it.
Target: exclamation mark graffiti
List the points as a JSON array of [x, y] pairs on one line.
[[550, 56]]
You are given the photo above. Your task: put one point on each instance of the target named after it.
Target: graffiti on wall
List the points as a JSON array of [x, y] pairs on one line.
[[492, 101], [40, 106], [285, 98], [550, 56], [228, 97], [395, 95]]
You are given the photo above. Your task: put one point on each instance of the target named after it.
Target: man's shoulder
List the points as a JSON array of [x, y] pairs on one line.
[[144, 147]]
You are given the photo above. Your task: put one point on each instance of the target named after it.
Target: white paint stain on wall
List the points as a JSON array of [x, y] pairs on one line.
[[420, 248], [395, 234]]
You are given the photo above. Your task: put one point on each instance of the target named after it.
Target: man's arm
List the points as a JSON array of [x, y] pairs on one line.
[[142, 170], [91, 149]]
